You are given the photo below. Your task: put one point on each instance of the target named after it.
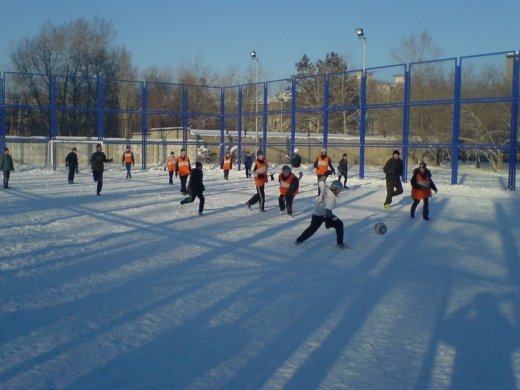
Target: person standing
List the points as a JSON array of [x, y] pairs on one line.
[[226, 164], [128, 161], [393, 170], [323, 213], [71, 161], [183, 168], [422, 186], [289, 185], [248, 162], [324, 168], [171, 163], [296, 163], [196, 187], [343, 169], [261, 174], [97, 161], [6, 165]]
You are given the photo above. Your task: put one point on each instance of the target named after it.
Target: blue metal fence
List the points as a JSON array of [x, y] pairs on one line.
[[241, 108]]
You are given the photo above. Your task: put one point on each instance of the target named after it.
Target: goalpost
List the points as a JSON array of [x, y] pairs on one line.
[[59, 148]]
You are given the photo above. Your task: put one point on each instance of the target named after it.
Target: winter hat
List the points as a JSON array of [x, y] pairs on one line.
[[259, 153], [323, 150], [98, 145], [286, 168], [6, 149], [336, 185], [422, 165], [295, 150], [396, 152], [198, 164], [128, 146], [74, 148]]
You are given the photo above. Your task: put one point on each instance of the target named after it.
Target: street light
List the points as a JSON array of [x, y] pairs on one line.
[[255, 58], [361, 35]]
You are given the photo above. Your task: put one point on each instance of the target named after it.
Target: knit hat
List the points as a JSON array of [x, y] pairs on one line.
[[286, 168], [396, 152], [259, 153], [198, 164]]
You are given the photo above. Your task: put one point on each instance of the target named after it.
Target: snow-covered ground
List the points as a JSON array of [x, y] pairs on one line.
[[130, 291]]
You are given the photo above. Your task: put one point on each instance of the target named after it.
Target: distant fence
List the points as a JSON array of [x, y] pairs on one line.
[[445, 111]]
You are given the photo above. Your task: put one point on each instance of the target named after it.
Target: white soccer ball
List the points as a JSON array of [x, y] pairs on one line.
[[380, 228]]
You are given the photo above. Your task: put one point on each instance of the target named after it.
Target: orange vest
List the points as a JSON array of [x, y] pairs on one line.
[[261, 170], [425, 191], [323, 165], [285, 183], [183, 165], [227, 163], [170, 163], [128, 157]]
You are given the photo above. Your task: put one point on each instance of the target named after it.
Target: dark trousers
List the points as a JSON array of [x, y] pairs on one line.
[[72, 171], [394, 187], [7, 174], [128, 168], [248, 171], [316, 222], [191, 198], [344, 174], [425, 210], [170, 176], [98, 177], [286, 201], [259, 196], [226, 174], [183, 179]]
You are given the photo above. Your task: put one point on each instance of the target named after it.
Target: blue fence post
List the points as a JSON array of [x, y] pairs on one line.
[[325, 110], [406, 122], [100, 108], [222, 123], [513, 141], [362, 125], [3, 114], [293, 115], [456, 124], [53, 114], [185, 115], [239, 126], [264, 122], [144, 123]]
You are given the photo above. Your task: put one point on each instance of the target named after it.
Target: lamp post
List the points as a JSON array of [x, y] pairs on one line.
[[361, 35], [254, 57]]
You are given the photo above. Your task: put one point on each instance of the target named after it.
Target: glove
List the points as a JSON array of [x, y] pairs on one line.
[[435, 191], [77, 171], [272, 177], [261, 175], [175, 174], [329, 172], [333, 171], [164, 169]]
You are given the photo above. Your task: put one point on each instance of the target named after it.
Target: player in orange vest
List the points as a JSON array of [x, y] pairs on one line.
[[183, 169], [324, 167], [226, 164], [260, 171], [128, 161], [289, 185], [171, 163], [422, 186]]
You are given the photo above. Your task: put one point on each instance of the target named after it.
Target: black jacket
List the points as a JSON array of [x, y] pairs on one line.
[[296, 161], [393, 168], [97, 160], [343, 166], [195, 185], [71, 160]]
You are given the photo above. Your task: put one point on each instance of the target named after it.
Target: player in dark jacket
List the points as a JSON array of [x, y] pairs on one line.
[[343, 170], [71, 161], [97, 161], [6, 165], [248, 162], [393, 170], [196, 187], [289, 185]]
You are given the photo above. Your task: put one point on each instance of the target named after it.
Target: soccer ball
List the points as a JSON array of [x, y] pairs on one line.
[[380, 228]]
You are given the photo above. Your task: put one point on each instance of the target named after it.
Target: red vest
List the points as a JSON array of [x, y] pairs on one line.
[[183, 165], [323, 165], [285, 183]]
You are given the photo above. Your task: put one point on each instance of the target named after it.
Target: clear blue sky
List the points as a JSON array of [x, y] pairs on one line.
[[172, 32]]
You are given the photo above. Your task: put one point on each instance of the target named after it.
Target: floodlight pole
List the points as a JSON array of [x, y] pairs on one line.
[[361, 35]]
